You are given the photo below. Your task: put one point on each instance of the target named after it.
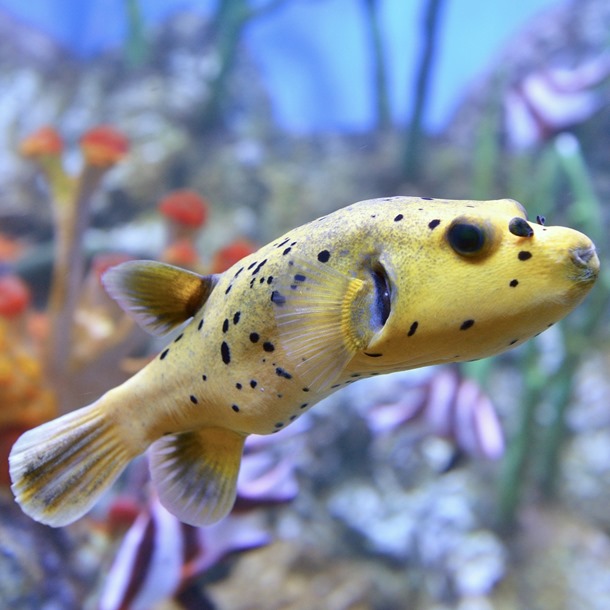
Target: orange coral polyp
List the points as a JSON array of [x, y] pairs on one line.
[[226, 257], [104, 146], [186, 207], [44, 141], [14, 296]]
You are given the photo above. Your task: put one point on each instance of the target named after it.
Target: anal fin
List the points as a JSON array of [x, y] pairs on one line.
[[195, 473]]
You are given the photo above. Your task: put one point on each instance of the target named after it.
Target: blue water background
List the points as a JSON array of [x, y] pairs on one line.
[[314, 54]]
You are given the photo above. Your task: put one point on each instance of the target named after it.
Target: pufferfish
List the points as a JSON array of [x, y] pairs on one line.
[[379, 286]]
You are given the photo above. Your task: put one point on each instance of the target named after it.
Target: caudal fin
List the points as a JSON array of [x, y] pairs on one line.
[[60, 469]]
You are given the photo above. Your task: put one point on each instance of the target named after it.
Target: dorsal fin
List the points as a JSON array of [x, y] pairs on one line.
[[160, 297]]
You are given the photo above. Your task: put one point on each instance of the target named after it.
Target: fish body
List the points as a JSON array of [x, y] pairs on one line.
[[379, 286]]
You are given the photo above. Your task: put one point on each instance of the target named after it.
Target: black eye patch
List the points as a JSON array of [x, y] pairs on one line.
[[520, 227]]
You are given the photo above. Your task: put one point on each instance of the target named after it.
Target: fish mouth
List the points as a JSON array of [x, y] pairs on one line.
[[586, 261]]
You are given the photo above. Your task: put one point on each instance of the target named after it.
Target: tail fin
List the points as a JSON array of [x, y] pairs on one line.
[[60, 469]]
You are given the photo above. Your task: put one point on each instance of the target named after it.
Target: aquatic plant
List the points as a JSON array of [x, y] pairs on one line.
[[102, 148], [228, 255], [228, 24], [413, 155], [535, 445], [161, 558], [26, 400], [185, 213], [450, 406]]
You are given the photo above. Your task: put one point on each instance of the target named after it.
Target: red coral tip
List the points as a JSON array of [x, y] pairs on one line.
[[104, 146], [14, 296], [44, 141], [185, 207], [226, 257]]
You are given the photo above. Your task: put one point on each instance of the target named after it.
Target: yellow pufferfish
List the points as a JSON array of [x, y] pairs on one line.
[[379, 286]]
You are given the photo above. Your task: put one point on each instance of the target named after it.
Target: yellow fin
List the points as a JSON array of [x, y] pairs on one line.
[[315, 310], [60, 469], [160, 297], [195, 473]]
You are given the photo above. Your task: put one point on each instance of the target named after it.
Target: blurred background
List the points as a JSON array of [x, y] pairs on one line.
[[195, 131]]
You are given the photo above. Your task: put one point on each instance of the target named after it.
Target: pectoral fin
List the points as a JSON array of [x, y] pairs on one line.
[[319, 313], [160, 297], [195, 473]]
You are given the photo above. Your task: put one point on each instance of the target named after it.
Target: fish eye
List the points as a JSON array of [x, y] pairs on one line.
[[520, 227], [466, 238], [382, 303]]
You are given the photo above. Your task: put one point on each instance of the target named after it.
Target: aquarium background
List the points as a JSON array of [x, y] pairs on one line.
[[479, 487]]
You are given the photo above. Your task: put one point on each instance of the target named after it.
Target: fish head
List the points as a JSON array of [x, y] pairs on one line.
[[470, 279]]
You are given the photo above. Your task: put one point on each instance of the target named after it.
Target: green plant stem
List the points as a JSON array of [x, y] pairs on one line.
[[68, 274], [518, 452], [413, 156], [380, 80]]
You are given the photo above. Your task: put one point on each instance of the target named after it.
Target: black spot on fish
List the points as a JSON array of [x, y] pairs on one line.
[[278, 298], [398, 218], [305, 389], [178, 337], [355, 375], [254, 337], [524, 255], [253, 383], [280, 372], [200, 325], [268, 346], [238, 272], [270, 279], [204, 377], [163, 354], [412, 329], [286, 251], [299, 277], [252, 265], [225, 325], [193, 399], [235, 408], [513, 341], [238, 386], [259, 267], [304, 405], [372, 355], [293, 417], [283, 243], [279, 424], [434, 223], [428, 198], [236, 317], [466, 324], [225, 352], [514, 283], [229, 289], [324, 256]]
